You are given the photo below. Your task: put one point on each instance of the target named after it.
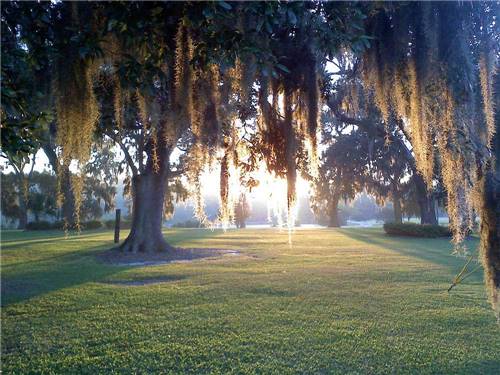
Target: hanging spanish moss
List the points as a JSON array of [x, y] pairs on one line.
[[487, 72], [224, 189], [77, 113], [437, 109], [77, 181], [77, 109], [183, 93], [206, 128], [438, 79], [289, 107], [206, 125]]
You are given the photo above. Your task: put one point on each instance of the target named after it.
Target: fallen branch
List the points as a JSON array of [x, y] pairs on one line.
[[462, 275]]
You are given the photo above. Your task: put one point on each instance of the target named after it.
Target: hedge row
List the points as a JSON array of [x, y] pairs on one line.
[[87, 225], [124, 224], [188, 224], [416, 230], [59, 225]]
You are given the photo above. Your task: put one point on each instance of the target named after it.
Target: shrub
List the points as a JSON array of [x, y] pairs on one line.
[[124, 224], [188, 224], [92, 224], [416, 230], [58, 225], [39, 225]]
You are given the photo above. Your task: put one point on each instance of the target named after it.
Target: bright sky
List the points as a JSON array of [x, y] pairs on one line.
[[268, 187]]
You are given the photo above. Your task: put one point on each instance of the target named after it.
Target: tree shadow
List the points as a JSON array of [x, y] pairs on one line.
[[73, 264], [26, 280], [433, 250], [22, 237], [490, 366]]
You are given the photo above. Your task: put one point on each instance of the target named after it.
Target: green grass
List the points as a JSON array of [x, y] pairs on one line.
[[338, 301]]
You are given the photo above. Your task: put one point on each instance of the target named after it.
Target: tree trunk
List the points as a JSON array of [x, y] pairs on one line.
[[23, 210], [334, 214], [490, 237], [148, 194], [490, 225], [68, 204], [425, 201], [396, 202]]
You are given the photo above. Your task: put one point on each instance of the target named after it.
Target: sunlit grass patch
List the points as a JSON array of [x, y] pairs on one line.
[[337, 301]]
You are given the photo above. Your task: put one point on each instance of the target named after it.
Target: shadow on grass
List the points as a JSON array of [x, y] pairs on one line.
[[480, 367], [437, 251], [31, 237], [23, 281], [28, 279]]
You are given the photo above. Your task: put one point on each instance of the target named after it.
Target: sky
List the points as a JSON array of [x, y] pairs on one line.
[[271, 191]]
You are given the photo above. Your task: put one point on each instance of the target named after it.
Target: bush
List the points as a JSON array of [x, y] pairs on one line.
[[124, 224], [416, 230], [39, 225], [59, 225], [188, 224], [92, 224]]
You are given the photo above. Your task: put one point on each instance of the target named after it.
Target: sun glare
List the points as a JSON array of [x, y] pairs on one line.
[[271, 190]]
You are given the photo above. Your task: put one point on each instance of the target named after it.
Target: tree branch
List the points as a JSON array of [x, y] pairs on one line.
[[128, 158]]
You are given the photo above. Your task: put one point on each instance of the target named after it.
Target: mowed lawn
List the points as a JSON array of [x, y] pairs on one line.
[[338, 301]]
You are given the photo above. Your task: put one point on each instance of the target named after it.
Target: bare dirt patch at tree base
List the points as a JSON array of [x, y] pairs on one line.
[[118, 258]]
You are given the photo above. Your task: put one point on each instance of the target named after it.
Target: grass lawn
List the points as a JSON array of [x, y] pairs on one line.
[[338, 301]]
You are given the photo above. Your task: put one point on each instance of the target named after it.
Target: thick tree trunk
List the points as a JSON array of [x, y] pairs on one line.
[[425, 201], [398, 216], [490, 225], [148, 191], [334, 214], [490, 237]]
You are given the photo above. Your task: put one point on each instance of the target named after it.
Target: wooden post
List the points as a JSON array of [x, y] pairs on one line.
[[117, 225]]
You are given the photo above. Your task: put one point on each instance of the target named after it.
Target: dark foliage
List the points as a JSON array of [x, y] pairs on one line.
[[416, 230], [40, 225], [188, 224], [124, 224], [92, 224]]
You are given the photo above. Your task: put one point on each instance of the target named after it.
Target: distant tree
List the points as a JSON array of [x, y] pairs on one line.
[[342, 174], [36, 194], [410, 206], [42, 195], [10, 197], [355, 162], [23, 166], [389, 172], [241, 211], [100, 180], [350, 106]]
